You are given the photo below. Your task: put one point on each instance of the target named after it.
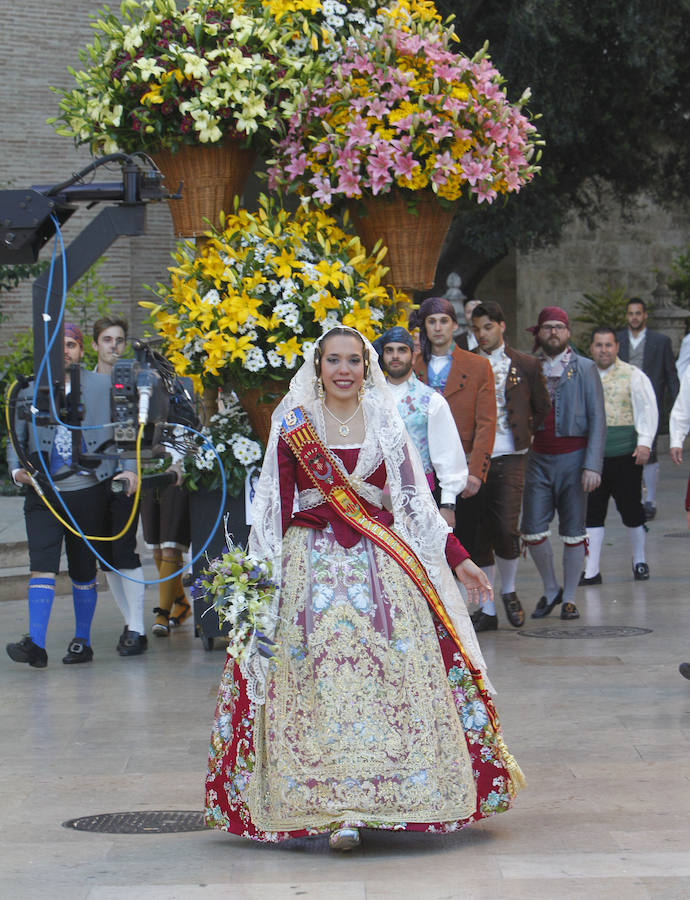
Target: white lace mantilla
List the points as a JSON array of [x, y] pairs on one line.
[[416, 517]]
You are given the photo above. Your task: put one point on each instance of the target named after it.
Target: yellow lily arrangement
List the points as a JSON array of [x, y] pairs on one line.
[[244, 307]]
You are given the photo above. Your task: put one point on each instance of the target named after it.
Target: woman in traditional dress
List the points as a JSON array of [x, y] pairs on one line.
[[375, 710]]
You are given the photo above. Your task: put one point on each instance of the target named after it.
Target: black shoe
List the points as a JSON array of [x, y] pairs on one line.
[[641, 572], [132, 643], [588, 582], [569, 611], [649, 511], [684, 669], [25, 651], [514, 610], [485, 623], [77, 652], [121, 639], [544, 607]]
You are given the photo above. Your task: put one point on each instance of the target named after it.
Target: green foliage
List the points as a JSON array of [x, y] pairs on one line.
[[12, 276], [679, 282], [18, 362], [605, 308], [609, 80]]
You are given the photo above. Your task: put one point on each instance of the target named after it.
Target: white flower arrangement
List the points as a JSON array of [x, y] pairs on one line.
[[230, 433]]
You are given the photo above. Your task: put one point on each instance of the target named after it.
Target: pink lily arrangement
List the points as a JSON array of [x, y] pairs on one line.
[[405, 111]]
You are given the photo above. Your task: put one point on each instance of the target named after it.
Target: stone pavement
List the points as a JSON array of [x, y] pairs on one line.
[[600, 725]]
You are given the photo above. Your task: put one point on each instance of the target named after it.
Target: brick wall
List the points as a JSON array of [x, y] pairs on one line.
[[39, 41]]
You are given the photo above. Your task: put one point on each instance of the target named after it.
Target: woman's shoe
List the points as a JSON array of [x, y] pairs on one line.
[[344, 839], [181, 610], [161, 626]]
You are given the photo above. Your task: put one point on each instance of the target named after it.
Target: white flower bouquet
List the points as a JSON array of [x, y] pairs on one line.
[[241, 589]]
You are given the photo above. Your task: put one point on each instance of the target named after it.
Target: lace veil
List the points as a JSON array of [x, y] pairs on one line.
[[416, 517]]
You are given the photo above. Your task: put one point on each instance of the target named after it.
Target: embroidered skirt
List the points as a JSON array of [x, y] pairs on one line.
[[371, 717]]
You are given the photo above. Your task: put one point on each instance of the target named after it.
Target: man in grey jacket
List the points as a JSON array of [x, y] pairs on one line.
[[84, 494], [565, 461], [650, 351]]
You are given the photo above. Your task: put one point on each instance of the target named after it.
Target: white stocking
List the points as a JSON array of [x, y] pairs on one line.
[[637, 544], [650, 476], [115, 583], [507, 569], [135, 599], [593, 559]]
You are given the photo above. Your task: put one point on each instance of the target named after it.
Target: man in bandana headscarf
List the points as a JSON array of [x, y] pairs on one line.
[[466, 381], [428, 419], [565, 463]]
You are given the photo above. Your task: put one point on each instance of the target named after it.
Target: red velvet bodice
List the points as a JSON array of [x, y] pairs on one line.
[[292, 474]]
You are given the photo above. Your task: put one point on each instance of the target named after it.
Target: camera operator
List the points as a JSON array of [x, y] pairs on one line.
[[83, 491], [109, 342]]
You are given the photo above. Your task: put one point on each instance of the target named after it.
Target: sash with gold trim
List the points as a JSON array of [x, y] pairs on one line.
[[324, 472]]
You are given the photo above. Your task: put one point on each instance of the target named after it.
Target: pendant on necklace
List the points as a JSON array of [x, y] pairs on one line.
[[344, 430]]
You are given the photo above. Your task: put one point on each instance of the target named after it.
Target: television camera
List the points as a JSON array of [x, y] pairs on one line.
[[145, 391]]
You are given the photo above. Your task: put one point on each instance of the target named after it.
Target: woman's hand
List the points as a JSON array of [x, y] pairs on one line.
[[476, 583]]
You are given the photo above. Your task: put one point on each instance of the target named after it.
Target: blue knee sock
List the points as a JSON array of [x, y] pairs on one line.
[[41, 594], [84, 597]]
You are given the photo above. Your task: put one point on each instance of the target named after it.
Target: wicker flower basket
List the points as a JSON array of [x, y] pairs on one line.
[[414, 238], [259, 404], [211, 178]]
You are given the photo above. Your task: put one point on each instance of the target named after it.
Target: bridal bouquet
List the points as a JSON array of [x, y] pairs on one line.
[[241, 589]]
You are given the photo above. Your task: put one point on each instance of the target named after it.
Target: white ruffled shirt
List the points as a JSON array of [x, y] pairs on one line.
[[679, 421], [445, 447]]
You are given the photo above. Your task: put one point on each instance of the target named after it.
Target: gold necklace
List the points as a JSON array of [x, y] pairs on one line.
[[343, 429]]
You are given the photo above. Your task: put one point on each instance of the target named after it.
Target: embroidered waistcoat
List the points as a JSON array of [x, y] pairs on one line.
[[414, 409], [437, 380], [621, 437]]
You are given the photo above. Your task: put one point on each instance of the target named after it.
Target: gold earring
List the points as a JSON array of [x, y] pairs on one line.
[[319, 389], [360, 392]]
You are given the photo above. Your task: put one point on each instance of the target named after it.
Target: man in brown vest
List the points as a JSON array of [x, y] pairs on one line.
[[522, 402], [467, 382]]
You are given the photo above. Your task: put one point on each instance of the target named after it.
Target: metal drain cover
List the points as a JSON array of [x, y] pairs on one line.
[[150, 822], [563, 632]]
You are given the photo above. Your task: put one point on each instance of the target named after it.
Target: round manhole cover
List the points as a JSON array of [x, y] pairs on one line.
[[152, 822], [563, 632]]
